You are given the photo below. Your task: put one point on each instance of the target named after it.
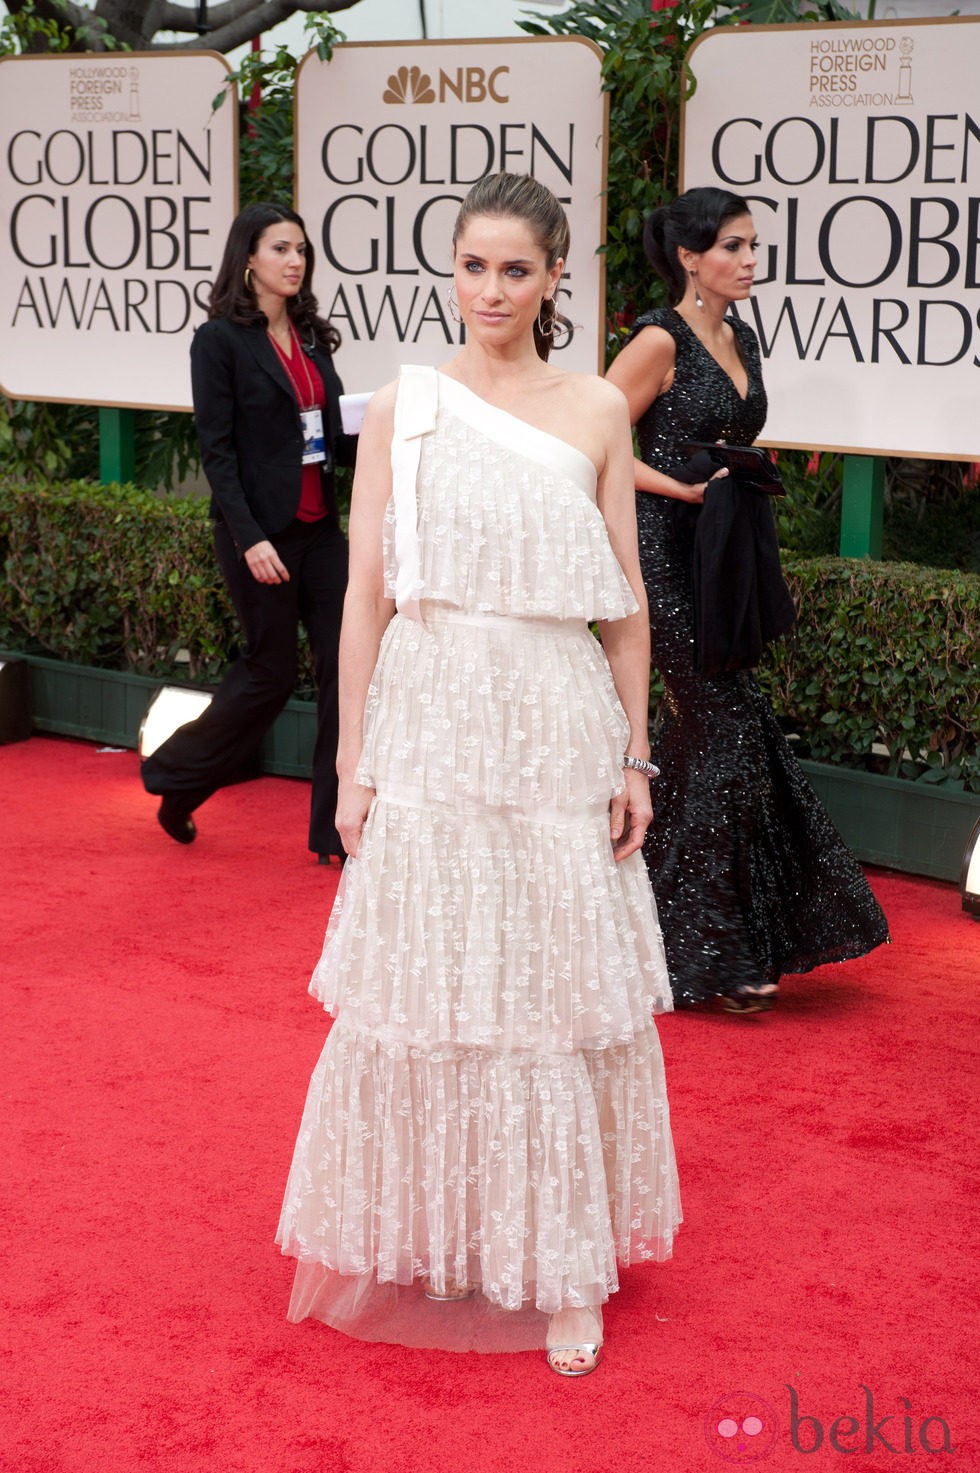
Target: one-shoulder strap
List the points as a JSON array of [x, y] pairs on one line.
[[416, 404]]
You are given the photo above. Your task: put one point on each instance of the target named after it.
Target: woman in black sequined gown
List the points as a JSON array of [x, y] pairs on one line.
[[751, 877]]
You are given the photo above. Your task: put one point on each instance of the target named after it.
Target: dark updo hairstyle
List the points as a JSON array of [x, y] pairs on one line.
[[232, 299], [693, 220], [519, 197]]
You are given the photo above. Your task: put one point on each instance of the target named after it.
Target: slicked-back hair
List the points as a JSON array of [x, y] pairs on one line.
[[692, 221], [521, 197]]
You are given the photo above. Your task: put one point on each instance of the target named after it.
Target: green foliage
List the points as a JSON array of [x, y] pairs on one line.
[[808, 519], [25, 30], [116, 577], [882, 653], [932, 513], [53, 440], [644, 72], [944, 534], [62, 440], [932, 510], [266, 83], [790, 12], [28, 31], [112, 576], [166, 448]]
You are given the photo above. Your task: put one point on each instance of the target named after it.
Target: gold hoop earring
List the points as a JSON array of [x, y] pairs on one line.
[[453, 305], [247, 277]]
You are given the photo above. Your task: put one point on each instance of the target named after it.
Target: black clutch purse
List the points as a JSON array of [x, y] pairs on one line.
[[748, 463]]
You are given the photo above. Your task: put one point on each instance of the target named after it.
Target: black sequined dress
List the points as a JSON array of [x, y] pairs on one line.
[[752, 879]]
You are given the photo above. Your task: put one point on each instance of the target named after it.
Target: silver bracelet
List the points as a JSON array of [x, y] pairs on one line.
[[639, 765]]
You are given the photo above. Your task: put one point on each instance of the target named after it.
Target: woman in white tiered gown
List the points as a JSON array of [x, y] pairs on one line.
[[486, 1132]]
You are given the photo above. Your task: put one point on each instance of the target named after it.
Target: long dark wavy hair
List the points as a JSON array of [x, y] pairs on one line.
[[232, 299], [693, 221], [519, 197]]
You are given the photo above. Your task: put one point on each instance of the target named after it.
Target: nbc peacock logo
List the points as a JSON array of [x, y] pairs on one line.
[[409, 84]]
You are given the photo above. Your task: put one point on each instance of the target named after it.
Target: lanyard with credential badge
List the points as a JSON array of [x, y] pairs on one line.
[[310, 415]]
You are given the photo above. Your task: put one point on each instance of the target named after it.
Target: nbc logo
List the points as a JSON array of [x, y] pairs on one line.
[[409, 84]]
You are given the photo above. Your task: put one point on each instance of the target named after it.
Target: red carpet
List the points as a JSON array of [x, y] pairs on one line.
[[158, 1046]]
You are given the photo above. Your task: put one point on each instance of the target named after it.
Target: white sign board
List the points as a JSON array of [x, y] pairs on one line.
[[858, 147], [389, 138], [117, 188]]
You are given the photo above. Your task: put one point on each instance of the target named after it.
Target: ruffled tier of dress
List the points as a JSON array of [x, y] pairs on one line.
[[512, 934], [511, 527], [462, 710], [521, 1176]]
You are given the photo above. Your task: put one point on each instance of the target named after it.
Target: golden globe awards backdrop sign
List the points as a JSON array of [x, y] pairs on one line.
[[117, 188], [389, 138], [858, 147]]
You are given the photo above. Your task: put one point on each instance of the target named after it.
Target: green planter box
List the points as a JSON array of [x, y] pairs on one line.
[[108, 706], [288, 748], [918, 827], [99, 705]]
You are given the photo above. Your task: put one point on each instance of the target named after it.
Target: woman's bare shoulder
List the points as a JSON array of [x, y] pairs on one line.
[[644, 368], [380, 407], [651, 342], [594, 395]]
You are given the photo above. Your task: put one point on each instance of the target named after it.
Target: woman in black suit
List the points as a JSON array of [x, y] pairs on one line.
[[268, 420]]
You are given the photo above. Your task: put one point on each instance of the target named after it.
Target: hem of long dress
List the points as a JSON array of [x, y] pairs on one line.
[[830, 956], [400, 1314], [689, 993]]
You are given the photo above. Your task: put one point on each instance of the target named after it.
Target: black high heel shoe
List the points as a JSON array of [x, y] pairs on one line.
[[176, 821], [748, 1000]]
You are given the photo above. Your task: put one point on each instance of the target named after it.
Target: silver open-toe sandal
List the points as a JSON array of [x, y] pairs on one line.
[[450, 1295], [590, 1348]]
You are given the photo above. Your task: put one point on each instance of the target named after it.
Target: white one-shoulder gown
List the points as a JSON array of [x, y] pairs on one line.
[[489, 1109]]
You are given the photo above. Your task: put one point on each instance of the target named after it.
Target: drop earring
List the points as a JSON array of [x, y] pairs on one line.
[[697, 295], [453, 305]]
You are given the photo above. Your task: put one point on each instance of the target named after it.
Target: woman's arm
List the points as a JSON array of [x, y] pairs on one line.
[[367, 611], [626, 641], [643, 371], [213, 391], [213, 353], [344, 446]]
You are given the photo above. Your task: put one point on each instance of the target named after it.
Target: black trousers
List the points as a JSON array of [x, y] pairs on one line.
[[222, 745]]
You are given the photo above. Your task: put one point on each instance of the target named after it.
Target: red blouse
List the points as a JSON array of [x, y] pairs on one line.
[[307, 385]]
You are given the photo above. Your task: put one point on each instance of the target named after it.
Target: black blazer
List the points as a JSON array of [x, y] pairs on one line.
[[248, 426]]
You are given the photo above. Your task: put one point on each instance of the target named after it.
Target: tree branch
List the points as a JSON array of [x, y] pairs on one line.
[[135, 23], [234, 22]]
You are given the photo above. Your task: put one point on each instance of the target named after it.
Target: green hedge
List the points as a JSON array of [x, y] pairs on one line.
[[883, 652], [112, 576]]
